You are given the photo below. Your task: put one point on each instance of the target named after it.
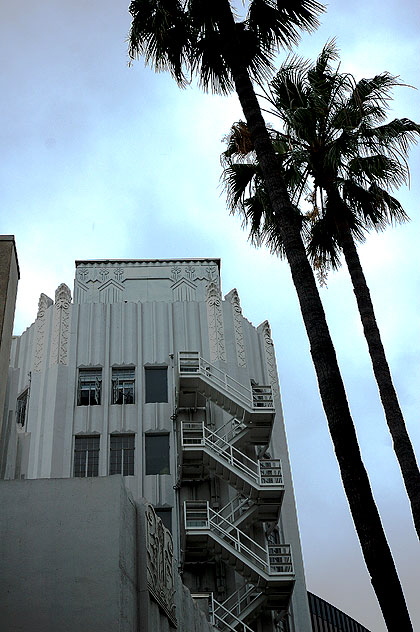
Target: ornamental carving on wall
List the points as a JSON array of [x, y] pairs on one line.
[[233, 297], [43, 304], [215, 323], [212, 274], [183, 288], [61, 325], [82, 274], [270, 357], [160, 564]]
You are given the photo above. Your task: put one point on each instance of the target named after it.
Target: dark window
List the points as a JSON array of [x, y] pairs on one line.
[[123, 386], [89, 387], [157, 454], [156, 379], [86, 456], [165, 514], [122, 454], [21, 405]]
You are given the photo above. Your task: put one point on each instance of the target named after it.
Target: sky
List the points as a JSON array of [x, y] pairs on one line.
[[102, 160]]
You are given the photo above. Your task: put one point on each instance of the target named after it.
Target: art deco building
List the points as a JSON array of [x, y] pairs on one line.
[[151, 374]]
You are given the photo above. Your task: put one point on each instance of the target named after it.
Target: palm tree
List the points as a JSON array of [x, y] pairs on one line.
[[208, 39], [338, 150]]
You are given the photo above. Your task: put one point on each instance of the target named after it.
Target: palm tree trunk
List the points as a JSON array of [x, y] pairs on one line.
[[356, 484], [394, 417]]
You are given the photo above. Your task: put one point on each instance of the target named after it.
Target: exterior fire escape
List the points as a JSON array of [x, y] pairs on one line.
[[267, 568]]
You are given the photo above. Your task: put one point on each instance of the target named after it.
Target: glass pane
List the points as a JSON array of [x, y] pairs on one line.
[[123, 385], [79, 463], [156, 384], [89, 390], [166, 516], [122, 454], [86, 456], [157, 454]]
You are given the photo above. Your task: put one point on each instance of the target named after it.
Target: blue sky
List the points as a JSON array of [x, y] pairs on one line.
[[100, 160]]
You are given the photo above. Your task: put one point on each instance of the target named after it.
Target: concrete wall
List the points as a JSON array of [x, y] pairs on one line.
[[72, 557], [9, 276]]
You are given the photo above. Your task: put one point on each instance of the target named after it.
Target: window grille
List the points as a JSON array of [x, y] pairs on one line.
[[89, 387], [123, 383], [86, 456], [122, 454]]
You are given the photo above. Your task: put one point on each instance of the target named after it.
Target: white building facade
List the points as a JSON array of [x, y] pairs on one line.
[[148, 372]]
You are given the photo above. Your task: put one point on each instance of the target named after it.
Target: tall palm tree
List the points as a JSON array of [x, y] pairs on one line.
[[208, 39], [336, 149]]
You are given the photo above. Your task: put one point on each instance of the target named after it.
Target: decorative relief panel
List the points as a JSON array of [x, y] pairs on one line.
[[213, 274], [61, 325], [43, 304], [215, 323], [270, 356], [177, 280], [110, 292], [102, 282], [233, 297], [160, 564], [183, 286]]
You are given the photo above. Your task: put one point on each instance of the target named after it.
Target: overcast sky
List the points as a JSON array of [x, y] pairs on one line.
[[100, 160]]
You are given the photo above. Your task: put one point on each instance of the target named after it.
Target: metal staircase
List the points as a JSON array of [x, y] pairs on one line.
[[259, 480], [245, 601], [223, 619], [207, 531], [210, 534], [251, 404]]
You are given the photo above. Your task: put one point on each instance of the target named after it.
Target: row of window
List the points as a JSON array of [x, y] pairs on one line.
[[123, 381], [121, 457], [89, 391]]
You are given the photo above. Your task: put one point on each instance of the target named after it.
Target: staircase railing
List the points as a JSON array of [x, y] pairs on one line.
[[238, 601], [280, 558], [217, 610], [230, 429], [235, 508], [255, 396], [265, 473], [198, 515]]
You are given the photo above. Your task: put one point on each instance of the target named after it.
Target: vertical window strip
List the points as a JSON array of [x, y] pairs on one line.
[[123, 385], [86, 456], [122, 454]]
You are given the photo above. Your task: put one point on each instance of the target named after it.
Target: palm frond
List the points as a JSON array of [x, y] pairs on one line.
[[210, 64], [160, 32], [279, 22], [238, 183], [380, 169], [398, 134], [369, 101], [374, 206]]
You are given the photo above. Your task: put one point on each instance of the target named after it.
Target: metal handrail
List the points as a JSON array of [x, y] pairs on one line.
[[276, 560], [215, 618], [256, 396], [235, 508], [280, 558], [238, 540], [233, 426], [265, 473], [241, 599]]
